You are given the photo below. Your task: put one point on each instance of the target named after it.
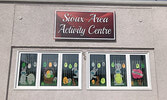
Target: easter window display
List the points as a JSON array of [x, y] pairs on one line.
[[118, 70], [138, 70], [97, 70], [70, 69], [27, 73], [49, 68]]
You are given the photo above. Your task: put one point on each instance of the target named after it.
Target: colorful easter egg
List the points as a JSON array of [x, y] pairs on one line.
[[118, 78], [137, 73], [50, 64], [112, 64], [103, 81], [44, 64], [137, 66], [70, 66], [142, 65], [55, 64], [29, 65], [103, 64], [23, 65], [93, 82], [75, 65], [65, 80], [65, 64], [98, 65], [123, 65], [93, 64]]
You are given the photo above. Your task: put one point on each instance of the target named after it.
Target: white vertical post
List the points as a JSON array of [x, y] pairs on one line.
[[108, 70], [128, 69]]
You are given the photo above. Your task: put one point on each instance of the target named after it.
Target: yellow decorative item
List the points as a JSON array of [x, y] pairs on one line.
[[65, 64], [123, 65], [103, 81], [118, 78], [132, 83], [93, 82], [137, 66], [65, 80], [50, 64]]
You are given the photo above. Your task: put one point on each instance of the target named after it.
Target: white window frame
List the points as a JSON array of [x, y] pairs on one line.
[[128, 72], [38, 71]]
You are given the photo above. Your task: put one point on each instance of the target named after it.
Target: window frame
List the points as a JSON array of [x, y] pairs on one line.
[[38, 71], [128, 72]]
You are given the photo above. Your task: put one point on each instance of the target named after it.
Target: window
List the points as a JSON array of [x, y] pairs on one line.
[[70, 70], [27, 70], [49, 71], [118, 71], [97, 70], [138, 70]]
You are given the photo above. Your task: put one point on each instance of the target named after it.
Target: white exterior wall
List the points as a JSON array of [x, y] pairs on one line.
[[138, 28]]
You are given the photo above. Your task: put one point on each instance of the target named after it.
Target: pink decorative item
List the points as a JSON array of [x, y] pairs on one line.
[[137, 73]]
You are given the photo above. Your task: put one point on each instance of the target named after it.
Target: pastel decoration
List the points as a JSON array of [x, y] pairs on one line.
[[55, 64], [55, 79], [29, 65], [118, 78], [44, 64], [103, 64], [50, 64], [132, 83], [137, 66], [93, 64], [103, 81], [112, 64], [30, 79], [93, 82], [65, 80], [142, 65], [69, 82], [35, 64], [123, 65], [23, 79], [42, 83], [70, 66], [75, 65], [49, 74], [98, 65], [65, 64], [137, 73], [23, 65]]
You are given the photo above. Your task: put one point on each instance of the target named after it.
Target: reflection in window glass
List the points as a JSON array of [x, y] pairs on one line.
[[138, 70], [118, 70], [49, 68], [70, 69], [97, 70], [27, 73]]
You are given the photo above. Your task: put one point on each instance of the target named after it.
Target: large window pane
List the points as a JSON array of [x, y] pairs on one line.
[[49, 68], [27, 73], [97, 70], [138, 70], [118, 70], [70, 69]]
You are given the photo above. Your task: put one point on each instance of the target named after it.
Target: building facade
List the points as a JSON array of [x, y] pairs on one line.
[[29, 27]]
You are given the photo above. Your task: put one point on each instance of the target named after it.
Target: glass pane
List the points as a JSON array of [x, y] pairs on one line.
[[118, 70], [138, 70], [27, 73], [70, 69], [49, 68], [97, 70]]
